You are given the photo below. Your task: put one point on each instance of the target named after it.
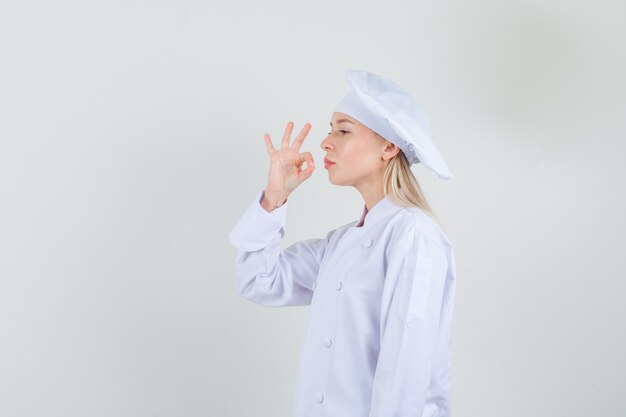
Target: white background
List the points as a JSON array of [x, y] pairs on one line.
[[131, 140]]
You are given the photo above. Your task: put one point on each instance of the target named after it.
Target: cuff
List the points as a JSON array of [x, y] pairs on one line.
[[257, 228]]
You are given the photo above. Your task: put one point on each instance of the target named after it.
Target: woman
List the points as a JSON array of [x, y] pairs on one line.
[[381, 289]]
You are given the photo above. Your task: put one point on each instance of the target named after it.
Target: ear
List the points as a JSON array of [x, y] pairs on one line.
[[391, 150]]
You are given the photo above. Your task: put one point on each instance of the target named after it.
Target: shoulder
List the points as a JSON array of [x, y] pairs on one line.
[[414, 223]]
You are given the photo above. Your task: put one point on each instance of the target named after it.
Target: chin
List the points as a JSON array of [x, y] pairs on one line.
[[335, 181]]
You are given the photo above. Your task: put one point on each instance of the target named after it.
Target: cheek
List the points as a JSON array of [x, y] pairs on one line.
[[356, 155], [358, 163], [363, 154], [355, 150]]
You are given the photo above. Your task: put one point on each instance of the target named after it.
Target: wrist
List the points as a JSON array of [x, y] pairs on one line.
[[273, 199]]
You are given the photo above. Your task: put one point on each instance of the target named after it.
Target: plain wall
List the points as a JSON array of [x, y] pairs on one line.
[[131, 140]]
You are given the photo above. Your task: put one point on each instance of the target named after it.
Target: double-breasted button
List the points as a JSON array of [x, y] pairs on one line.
[[367, 243], [320, 398], [328, 343], [339, 284]]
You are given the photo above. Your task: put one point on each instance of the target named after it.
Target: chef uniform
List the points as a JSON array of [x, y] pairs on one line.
[[381, 290]]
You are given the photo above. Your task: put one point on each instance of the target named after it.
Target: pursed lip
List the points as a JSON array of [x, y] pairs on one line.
[[328, 161]]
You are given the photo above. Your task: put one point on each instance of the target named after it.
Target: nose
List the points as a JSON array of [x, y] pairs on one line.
[[325, 144]]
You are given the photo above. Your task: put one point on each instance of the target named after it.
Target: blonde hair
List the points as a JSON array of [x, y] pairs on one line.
[[401, 186]]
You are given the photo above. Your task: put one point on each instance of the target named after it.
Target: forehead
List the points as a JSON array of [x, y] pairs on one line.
[[342, 118], [338, 117]]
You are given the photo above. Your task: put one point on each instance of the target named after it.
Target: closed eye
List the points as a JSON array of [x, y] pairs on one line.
[[342, 132]]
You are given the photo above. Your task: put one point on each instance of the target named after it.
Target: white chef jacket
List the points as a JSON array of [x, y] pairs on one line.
[[381, 299]]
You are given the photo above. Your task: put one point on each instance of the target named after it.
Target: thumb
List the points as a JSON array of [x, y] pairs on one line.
[[305, 174], [310, 165], [306, 157]]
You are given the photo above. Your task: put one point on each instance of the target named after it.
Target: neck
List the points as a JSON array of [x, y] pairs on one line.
[[372, 195]]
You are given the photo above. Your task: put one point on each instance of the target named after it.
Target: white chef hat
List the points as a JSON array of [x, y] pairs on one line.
[[387, 109]]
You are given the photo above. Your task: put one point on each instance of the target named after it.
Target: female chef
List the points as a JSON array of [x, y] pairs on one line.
[[381, 289]]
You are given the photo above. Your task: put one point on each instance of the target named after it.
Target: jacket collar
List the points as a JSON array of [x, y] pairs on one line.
[[381, 209]]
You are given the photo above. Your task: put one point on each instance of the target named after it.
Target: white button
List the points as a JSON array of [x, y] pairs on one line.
[[367, 243], [320, 398], [329, 343], [339, 285], [314, 285]]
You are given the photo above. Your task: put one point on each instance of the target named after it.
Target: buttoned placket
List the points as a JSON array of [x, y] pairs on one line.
[[379, 210]]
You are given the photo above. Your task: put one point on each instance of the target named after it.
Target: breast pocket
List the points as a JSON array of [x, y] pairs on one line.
[[414, 288]]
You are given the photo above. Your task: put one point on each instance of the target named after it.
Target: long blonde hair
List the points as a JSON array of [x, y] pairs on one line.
[[402, 187]]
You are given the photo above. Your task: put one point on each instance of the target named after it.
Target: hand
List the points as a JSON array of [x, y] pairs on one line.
[[286, 163]]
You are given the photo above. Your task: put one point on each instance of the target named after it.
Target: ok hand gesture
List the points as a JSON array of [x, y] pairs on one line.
[[286, 163]]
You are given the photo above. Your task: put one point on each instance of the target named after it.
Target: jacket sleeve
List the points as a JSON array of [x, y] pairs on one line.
[[410, 333], [267, 274]]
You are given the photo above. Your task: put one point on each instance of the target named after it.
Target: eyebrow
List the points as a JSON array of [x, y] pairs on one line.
[[342, 120]]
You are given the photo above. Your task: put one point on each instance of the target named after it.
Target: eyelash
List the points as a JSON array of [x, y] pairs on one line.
[[344, 131]]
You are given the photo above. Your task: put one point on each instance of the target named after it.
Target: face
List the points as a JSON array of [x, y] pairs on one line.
[[360, 155]]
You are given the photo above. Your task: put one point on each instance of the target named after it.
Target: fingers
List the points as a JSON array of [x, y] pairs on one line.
[[287, 135], [268, 143], [300, 138], [310, 166], [286, 138], [306, 157]]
